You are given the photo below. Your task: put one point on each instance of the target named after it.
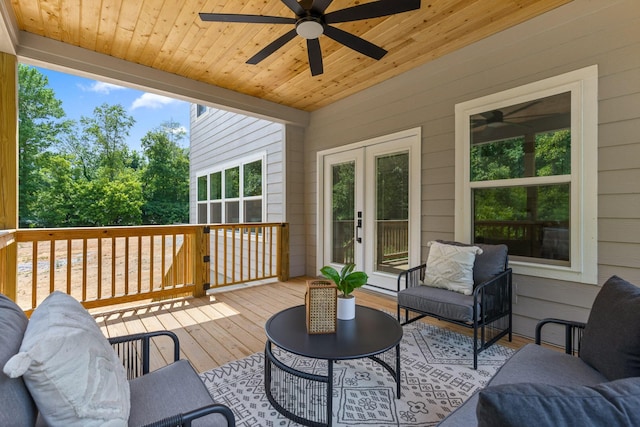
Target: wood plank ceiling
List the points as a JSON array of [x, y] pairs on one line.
[[169, 35]]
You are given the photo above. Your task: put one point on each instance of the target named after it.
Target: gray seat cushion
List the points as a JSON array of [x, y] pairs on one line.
[[611, 341], [531, 364], [615, 403], [17, 407], [437, 301], [152, 398]]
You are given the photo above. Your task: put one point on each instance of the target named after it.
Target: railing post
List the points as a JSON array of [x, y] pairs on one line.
[[201, 268], [282, 262], [9, 169]]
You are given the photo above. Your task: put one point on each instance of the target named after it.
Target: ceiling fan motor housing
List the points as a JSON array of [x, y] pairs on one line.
[[309, 27]]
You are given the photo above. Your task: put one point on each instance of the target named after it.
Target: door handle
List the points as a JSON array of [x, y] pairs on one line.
[[359, 227]]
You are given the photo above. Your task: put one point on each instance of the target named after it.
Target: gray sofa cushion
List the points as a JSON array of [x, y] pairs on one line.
[[490, 262], [532, 363], [440, 302], [17, 407], [611, 341], [615, 403], [152, 394]]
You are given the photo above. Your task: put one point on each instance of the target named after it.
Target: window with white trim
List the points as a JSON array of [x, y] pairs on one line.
[[526, 175], [231, 193]]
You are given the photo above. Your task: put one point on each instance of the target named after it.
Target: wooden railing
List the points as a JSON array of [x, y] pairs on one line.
[[111, 265]]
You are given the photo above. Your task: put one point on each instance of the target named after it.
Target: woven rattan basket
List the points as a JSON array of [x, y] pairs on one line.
[[321, 304]]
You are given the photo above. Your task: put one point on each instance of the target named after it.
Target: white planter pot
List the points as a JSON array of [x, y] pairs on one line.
[[346, 308]]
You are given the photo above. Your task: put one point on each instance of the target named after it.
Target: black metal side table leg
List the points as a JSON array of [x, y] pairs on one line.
[[398, 371], [329, 391]]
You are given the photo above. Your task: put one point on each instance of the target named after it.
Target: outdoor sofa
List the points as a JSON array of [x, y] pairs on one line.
[[58, 369], [595, 382]]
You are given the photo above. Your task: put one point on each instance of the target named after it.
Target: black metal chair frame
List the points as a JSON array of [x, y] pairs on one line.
[[572, 335], [499, 285], [134, 352]]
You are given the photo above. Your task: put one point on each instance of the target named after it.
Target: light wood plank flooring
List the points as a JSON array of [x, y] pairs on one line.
[[229, 324]]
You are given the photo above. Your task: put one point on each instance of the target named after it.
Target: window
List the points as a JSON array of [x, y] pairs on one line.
[[200, 109], [526, 175], [231, 194]]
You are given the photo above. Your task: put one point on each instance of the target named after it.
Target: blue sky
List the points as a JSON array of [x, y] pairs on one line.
[[80, 96]]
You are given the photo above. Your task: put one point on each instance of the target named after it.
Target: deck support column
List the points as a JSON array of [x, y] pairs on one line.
[[283, 254], [9, 170]]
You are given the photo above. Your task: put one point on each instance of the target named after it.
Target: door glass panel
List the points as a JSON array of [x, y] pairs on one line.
[[343, 212], [392, 213]]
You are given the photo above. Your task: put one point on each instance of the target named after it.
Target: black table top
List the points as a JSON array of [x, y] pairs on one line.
[[371, 332]]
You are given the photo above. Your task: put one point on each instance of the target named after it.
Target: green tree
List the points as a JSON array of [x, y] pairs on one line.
[[166, 176], [41, 126], [105, 134]]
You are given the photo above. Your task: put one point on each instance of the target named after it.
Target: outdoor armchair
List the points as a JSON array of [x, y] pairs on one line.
[[487, 310]]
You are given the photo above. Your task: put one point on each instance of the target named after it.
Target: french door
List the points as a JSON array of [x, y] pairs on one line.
[[370, 207]]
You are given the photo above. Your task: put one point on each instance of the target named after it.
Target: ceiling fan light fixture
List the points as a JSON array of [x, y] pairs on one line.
[[309, 28]]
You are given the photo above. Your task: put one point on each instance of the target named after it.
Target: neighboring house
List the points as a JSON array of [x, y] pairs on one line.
[[237, 173], [587, 48]]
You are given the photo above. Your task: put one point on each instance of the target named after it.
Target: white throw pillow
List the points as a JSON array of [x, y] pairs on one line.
[[73, 374], [451, 267]]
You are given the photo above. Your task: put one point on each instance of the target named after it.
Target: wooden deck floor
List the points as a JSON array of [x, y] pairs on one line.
[[228, 325]]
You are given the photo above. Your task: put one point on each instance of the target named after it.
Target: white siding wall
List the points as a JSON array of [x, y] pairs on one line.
[[582, 33], [219, 137]]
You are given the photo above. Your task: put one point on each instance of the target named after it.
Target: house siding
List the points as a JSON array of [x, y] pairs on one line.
[[577, 35], [219, 137]]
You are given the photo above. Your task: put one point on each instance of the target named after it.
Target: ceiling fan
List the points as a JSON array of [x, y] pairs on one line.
[[498, 118], [311, 22]]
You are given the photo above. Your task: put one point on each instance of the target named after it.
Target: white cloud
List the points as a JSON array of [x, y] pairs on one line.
[[101, 87], [151, 100], [178, 130]]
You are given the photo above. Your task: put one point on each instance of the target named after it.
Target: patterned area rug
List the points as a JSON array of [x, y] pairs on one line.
[[437, 376]]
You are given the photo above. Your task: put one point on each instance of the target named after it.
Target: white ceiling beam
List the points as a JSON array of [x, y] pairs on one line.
[[41, 51], [8, 28]]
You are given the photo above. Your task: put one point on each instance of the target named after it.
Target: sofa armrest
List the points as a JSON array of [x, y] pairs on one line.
[[186, 418], [412, 277], [134, 352], [572, 337]]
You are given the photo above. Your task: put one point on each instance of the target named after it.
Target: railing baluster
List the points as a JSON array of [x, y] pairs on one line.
[[126, 265], [34, 271], [174, 261], [152, 255], [163, 262], [84, 266], [139, 264], [52, 266], [69, 265]]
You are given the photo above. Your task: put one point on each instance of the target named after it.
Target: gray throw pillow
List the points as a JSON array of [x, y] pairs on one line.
[[17, 408], [616, 403], [611, 340]]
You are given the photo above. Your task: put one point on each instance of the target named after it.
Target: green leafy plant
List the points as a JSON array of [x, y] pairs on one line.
[[347, 280]]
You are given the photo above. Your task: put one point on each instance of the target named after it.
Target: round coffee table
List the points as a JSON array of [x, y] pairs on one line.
[[295, 393]]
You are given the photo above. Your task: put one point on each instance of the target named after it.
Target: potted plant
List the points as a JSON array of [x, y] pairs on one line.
[[346, 281]]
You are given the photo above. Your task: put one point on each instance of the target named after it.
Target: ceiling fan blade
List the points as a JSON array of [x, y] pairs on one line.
[[248, 19], [319, 6], [371, 10], [272, 47], [315, 57], [524, 107], [295, 7], [354, 42]]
